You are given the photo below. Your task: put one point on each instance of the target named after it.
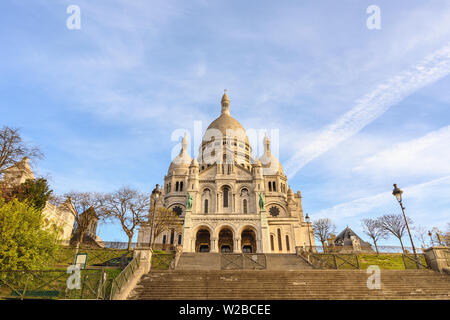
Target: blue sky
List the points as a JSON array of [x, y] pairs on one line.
[[357, 109]]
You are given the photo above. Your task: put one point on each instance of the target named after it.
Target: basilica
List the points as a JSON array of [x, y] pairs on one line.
[[228, 200]]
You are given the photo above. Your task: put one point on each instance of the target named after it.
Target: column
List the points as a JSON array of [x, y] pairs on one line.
[[237, 245], [213, 244]]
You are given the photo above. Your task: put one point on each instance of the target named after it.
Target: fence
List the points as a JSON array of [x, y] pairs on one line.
[[367, 249], [52, 284], [237, 261], [104, 244], [361, 260]]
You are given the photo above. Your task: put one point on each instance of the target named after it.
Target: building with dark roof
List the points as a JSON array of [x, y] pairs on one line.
[[349, 241]]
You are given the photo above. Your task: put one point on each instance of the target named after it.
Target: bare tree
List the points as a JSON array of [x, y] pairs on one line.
[[421, 234], [13, 148], [323, 228], [163, 219], [87, 206], [129, 207], [394, 224], [372, 228]]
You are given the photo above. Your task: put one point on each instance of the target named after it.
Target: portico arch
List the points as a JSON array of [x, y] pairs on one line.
[[248, 240], [226, 240], [203, 240]]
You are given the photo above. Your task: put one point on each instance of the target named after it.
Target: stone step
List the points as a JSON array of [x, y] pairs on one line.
[[298, 284], [199, 261]]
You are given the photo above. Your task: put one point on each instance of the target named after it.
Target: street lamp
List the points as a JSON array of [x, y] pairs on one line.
[[397, 192], [155, 193], [309, 234]]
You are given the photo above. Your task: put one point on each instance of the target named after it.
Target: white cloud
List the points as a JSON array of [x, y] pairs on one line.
[[428, 155], [434, 67]]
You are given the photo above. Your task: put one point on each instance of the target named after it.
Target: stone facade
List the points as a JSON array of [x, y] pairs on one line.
[[239, 203]]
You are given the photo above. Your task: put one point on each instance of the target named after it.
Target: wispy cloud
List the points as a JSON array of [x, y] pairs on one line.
[[423, 156], [434, 67], [365, 205]]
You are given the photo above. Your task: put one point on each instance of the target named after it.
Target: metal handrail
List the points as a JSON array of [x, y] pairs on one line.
[[125, 275]]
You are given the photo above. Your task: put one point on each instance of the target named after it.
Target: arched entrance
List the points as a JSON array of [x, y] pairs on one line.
[[225, 240], [248, 241], [202, 241]]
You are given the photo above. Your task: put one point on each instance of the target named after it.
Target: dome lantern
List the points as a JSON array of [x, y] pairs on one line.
[[225, 103]]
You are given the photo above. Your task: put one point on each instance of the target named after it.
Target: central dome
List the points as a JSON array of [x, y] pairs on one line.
[[226, 122], [225, 140]]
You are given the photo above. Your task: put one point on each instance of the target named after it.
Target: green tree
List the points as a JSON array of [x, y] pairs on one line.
[[36, 191], [26, 242]]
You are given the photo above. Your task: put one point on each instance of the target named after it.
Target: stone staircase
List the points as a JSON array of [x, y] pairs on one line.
[[285, 285], [198, 276]]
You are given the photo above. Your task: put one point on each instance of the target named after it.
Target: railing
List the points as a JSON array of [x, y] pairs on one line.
[[334, 261], [52, 284], [239, 261], [411, 262], [124, 276], [105, 244], [363, 249]]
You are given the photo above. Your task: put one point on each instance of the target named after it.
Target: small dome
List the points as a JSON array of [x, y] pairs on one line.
[[269, 162], [183, 160]]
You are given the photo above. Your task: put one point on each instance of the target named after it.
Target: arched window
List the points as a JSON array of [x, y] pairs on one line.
[[164, 239], [280, 245], [170, 186], [272, 246], [274, 187], [244, 203], [181, 186], [179, 239], [225, 196], [206, 205], [270, 186], [172, 236], [176, 186], [287, 243]]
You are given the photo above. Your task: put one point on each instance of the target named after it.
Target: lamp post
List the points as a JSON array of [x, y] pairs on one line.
[[155, 193], [397, 192], [309, 234]]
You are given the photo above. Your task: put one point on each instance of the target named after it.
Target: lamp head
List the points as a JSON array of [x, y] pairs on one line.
[[397, 192]]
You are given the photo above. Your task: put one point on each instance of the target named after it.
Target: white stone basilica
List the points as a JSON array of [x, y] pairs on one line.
[[227, 200]]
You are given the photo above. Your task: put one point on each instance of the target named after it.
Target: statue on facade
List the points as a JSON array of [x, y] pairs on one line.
[[189, 201], [262, 201]]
